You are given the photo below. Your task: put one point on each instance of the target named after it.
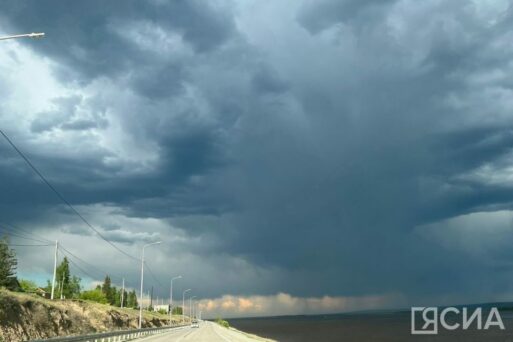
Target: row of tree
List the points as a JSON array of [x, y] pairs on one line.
[[114, 296], [67, 286]]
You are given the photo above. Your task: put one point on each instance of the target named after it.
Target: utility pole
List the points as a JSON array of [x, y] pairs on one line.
[[123, 293], [54, 269]]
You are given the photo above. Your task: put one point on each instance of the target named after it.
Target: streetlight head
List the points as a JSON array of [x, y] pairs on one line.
[[37, 35], [153, 243]]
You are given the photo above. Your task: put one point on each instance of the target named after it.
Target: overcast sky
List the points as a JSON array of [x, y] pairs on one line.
[[293, 156]]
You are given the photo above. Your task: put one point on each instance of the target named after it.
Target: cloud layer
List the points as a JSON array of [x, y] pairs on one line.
[[268, 144]]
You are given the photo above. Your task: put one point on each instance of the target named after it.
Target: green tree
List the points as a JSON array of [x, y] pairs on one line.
[[62, 280], [109, 291], [132, 300], [74, 287], [8, 264], [116, 296], [94, 295]]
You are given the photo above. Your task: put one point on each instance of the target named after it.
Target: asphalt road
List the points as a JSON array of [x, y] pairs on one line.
[[207, 332]]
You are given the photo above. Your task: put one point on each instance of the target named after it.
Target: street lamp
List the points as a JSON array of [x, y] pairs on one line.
[[190, 307], [183, 304], [171, 298], [142, 280], [26, 35]]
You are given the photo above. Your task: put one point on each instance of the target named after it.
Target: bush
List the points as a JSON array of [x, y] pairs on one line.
[[28, 285], [223, 323], [95, 296]]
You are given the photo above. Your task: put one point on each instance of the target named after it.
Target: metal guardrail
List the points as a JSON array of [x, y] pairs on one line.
[[114, 336]]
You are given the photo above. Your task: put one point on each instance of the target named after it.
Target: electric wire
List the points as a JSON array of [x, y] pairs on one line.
[[24, 231], [152, 274], [58, 194], [81, 269], [29, 245], [91, 266], [19, 236], [10, 227]]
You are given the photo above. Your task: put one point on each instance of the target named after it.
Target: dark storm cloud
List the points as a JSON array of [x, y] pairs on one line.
[[320, 162], [387, 168], [87, 43], [318, 15], [88, 47]]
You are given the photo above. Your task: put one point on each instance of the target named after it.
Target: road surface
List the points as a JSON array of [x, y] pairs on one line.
[[207, 332]]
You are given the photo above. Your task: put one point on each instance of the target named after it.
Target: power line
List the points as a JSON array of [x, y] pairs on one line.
[[9, 228], [51, 243], [62, 197], [24, 231], [29, 245], [70, 258], [153, 275], [80, 269], [17, 233], [10, 233], [91, 266]]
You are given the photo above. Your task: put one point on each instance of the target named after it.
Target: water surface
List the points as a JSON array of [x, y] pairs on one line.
[[392, 326]]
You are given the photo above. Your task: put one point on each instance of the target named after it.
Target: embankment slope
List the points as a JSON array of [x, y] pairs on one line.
[[25, 316]]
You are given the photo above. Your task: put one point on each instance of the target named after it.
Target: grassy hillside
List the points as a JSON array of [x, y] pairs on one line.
[[26, 316]]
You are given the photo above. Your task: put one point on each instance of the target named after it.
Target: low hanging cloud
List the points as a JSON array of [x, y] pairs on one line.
[[285, 304]]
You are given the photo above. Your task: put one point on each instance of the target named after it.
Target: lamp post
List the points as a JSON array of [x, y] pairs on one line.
[[171, 298], [190, 307], [183, 304], [26, 35], [142, 280]]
